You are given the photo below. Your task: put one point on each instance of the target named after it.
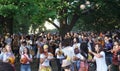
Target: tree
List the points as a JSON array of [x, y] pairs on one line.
[[105, 17], [67, 12], [17, 15], [96, 15], [7, 10]]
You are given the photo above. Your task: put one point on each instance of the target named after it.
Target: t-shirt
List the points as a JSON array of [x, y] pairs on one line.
[[115, 58], [68, 51], [79, 56], [8, 40], [77, 44], [5, 56], [59, 56], [101, 62], [47, 61], [22, 49]]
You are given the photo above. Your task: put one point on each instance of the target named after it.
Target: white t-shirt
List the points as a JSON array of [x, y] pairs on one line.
[[69, 51], [59, 56], [77, 44], [101, 62], [79, 56], [21, 49], [6, 56], [3, 57], [89, 46], [46, 62]]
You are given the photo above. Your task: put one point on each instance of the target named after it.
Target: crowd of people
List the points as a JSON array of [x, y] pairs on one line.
[[76, 51]]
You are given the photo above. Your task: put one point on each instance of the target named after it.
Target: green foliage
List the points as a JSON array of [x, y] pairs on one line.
[[105, 17], [26, 13], [23, 13], [7, 8]]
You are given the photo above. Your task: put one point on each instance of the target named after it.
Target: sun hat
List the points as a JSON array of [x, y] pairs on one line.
[[66, 63]]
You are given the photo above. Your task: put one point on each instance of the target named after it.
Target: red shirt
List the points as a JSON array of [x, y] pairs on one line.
[[115, 58]]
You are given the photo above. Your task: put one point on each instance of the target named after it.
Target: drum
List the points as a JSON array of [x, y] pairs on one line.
[[24, 60], [11, 60]]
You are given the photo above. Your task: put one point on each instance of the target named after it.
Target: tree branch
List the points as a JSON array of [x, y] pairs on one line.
[[53, 24]]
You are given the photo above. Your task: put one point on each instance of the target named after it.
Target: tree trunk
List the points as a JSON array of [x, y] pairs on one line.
[[63, 31], [64, 28], [7, 25]]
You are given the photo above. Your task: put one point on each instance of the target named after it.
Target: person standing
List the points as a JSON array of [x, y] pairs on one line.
[[99, 58], [60, 56], [84, 57], [68, 52], [8, 55], [25, 60], [22, 47], [45, 58], [115, 62]]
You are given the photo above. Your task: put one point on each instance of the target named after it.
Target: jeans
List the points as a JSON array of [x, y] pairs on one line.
[[25, 67], [75, 66], [109, 59], [78, 64]]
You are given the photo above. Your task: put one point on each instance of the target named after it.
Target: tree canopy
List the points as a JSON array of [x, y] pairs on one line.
[[17, 15], [94, 15]]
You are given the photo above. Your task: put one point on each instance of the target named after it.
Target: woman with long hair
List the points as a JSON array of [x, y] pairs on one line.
[[8, 55], [25, 60], [115, 61], [99, 58], [84, 53]]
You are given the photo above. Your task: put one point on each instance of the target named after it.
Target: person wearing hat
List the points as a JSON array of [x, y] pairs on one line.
[[45, 58]]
